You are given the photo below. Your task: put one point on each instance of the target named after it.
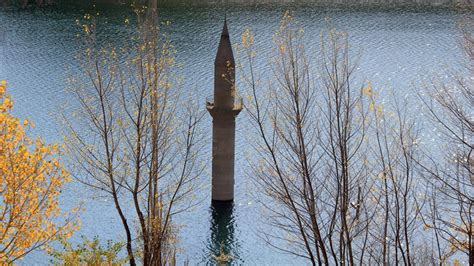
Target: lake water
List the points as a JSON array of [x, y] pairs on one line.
[[401, 48]]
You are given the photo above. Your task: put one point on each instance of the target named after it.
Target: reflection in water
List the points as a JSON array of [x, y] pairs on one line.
[[222, 246]]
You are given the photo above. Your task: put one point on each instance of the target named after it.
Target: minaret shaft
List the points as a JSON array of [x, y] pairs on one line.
[[223, 156]]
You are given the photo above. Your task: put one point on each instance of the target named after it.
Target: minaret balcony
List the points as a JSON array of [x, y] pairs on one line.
[[235, 110]]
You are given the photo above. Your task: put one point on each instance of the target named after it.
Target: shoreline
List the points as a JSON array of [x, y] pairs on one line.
[[451, 4]]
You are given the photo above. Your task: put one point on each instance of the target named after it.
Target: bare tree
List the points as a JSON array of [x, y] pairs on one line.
[[135, 138], [286, 170], [311, 131], [341, 173], [396, 193], [451, 174]]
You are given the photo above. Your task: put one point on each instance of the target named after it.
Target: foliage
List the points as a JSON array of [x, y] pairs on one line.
[[450, 172], [89, 252], [31, 179], [343, 172], [134, 138], [311, 130]]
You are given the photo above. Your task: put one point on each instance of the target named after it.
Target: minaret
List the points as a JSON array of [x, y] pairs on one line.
[[224, 109]]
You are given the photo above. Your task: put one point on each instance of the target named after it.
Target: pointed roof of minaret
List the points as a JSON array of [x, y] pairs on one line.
[[224, 52], [225, 31]]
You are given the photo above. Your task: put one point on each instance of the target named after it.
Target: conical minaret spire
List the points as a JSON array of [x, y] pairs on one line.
[[224, 51], [223, 109]]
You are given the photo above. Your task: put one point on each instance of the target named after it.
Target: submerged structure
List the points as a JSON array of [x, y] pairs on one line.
[[224, 108]]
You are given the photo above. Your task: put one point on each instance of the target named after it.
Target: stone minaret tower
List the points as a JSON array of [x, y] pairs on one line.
[[224, 109]]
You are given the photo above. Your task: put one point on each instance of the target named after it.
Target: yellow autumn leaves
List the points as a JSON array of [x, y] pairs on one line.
[[31, 178], [247, 38]]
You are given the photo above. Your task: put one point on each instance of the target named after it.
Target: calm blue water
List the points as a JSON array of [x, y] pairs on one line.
[[400, 48]]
